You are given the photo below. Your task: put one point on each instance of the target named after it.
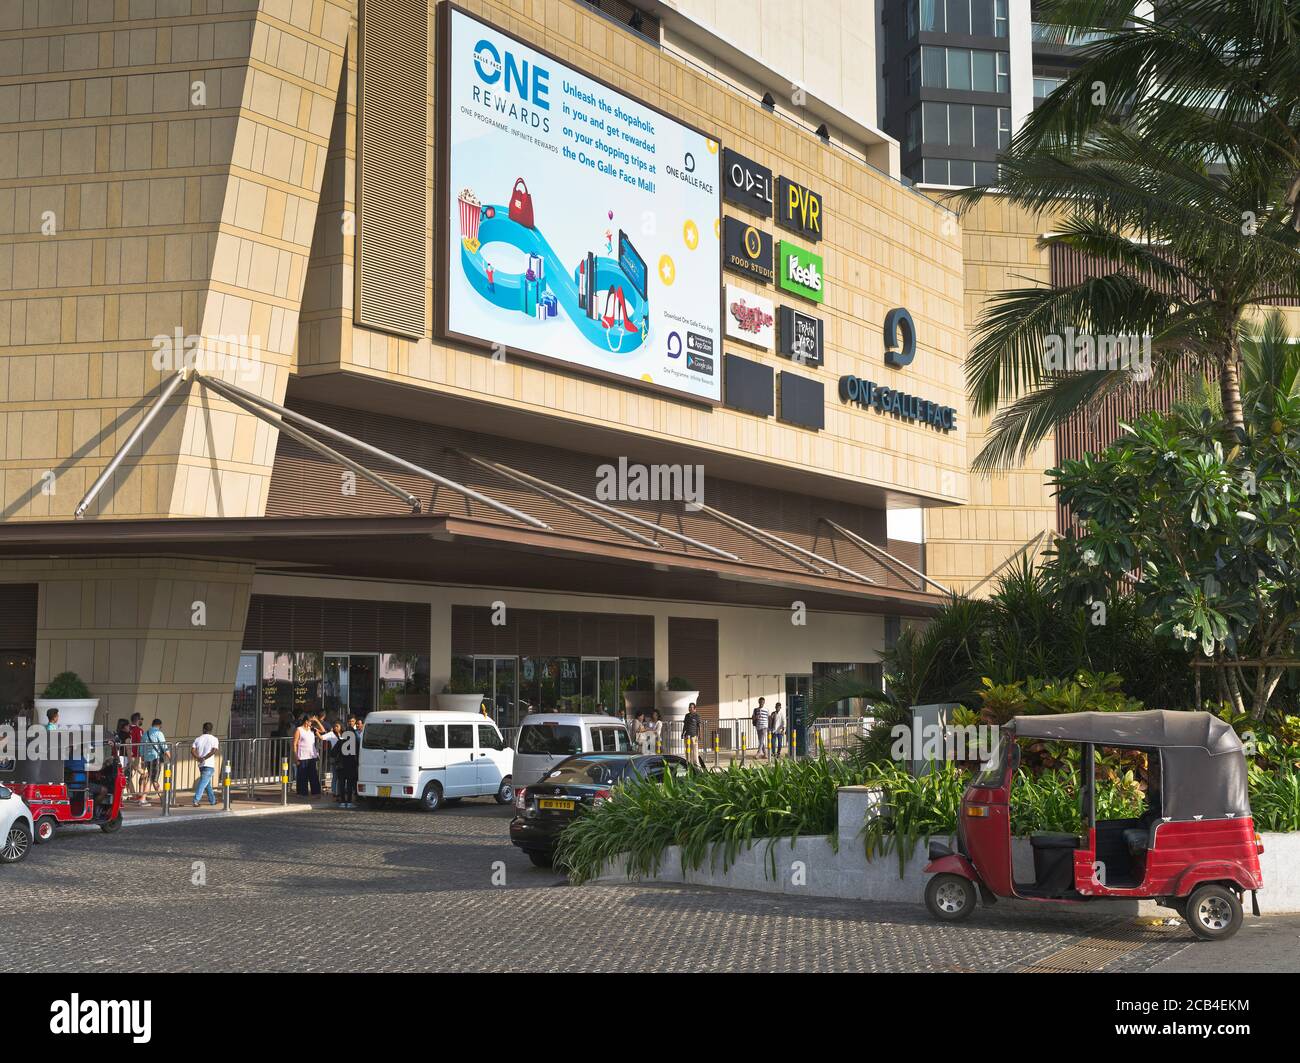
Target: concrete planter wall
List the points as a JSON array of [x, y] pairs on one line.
[[811, 868], [460, 702], [73, 712]]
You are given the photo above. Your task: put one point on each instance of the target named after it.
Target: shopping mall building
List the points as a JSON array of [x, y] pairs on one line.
[[355, 346]]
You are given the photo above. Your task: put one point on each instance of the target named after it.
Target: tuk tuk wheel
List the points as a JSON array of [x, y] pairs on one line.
[[15, 844], [46, 828], [950, 898], [1213, 912], [113, 824]]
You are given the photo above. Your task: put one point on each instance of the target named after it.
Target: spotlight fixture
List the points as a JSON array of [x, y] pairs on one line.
[[824, 132], [769, 101]]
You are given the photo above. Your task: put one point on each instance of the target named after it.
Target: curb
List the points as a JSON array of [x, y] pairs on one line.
[[223, 814]]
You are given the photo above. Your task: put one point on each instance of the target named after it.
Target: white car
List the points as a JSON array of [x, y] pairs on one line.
[[433, 757], [15, 827], [546, 738]]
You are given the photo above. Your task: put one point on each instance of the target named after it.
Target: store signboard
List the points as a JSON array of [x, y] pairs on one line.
[[747, 249], [750, 317], [746, 183], [801, 272], [547, 177]]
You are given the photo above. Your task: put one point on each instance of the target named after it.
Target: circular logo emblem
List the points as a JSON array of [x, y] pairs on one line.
[[753, 242]]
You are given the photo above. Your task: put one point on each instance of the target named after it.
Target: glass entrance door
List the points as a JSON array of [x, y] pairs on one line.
[[796, 709], [600, 685], [349, 688], [498, 678], [246, 707]]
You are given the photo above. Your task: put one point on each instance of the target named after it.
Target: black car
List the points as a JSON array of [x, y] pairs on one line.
[[576, 783]]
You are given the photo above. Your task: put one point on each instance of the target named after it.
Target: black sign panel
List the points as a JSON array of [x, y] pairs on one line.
[[798, 209], [746, 183], [799, 336], [803, 401], [747, 249], [748, 385]]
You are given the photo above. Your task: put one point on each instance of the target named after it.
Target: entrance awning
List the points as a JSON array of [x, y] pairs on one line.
[[456, 549]]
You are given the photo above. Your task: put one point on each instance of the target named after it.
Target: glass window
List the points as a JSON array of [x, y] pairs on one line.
[[911, 19], [958, 16], [610, 740], [933, 75], [435, 736], [986, 173], [590, 771], [981, 18], [913, 128], [913, 73], [459, 735], [561, 739], [959, 125], [936, 172], [1004, 76], [488, 737], [958, 68], [932, 20], [999, 18], [961, 172], [1004, 127], [935, 124], [388, 736], [984, 72], [406, 673]]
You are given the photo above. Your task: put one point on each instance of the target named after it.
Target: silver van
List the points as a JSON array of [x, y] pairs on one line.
[[546, 738]]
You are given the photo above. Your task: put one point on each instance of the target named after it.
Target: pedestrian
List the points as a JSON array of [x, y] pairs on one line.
[[656, 732], [305, 748], [759, 720], [777, 726], [331, 740], [641, 732], [51, 719], [693, 730], [122, 743], [139, 772], [204, 750], [153, 754], [347, 753]]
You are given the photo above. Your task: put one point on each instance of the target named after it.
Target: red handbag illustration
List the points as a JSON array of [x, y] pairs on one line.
[[521, 204]]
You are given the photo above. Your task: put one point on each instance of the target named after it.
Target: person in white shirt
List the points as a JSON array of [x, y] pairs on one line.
[[204, 750], [304, 757], [776, 726]]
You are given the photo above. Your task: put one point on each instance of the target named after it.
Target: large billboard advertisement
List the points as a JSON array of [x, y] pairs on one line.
[[578, 225]]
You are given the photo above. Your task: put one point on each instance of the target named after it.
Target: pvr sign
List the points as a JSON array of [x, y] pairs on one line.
[[798, 209]]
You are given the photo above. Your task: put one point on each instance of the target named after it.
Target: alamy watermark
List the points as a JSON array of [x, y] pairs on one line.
[[634, 482], [39, 742], [1072, 351], [237, 354]]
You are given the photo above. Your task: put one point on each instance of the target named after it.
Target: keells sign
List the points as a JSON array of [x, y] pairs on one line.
[[802, 272]]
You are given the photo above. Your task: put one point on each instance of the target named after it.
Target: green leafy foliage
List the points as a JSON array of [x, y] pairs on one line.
[[66, 685]]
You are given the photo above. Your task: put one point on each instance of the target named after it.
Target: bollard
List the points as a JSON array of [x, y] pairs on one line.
[[284, 780], [715, 749], [821, 745], [794, 741], [767, 739], [167, 790], [744, 739], [225, 799]]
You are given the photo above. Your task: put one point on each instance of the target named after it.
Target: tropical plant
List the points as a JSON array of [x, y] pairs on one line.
[[712, 816], [1275, 799], [678, 684], [1212, 533], [1176, 181], [66, 686], [462, 684]]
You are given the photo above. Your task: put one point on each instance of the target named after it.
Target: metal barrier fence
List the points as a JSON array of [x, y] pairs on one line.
[[738, 739]]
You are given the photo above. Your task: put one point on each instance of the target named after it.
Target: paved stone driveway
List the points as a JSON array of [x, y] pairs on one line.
[[408, 891]]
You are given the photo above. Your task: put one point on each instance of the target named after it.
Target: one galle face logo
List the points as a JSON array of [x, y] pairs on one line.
[[487, 62]]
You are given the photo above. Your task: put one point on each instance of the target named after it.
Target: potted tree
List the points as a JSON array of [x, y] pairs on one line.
[[460, 694], [67, 693], [636, 699], [677, 693]]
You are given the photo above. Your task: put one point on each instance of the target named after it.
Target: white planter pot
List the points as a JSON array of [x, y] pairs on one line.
[[635, 701], [460, 702], [672, 704], [73, 712]]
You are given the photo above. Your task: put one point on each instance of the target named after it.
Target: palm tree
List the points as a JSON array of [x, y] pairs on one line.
[[1222, 73], [1185, 248]]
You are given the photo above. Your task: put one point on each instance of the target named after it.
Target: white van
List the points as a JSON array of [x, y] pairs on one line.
[[432, 757], [546, 738]]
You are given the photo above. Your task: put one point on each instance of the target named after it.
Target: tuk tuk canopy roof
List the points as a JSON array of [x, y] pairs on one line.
[[1152, 729], [1203, 764]]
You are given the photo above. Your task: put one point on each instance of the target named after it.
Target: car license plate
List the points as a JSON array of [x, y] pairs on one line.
[[385, 791], [558, 805]]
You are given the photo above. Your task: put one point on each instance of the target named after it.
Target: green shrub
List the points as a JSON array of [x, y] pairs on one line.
[[1275, 799], [712, 816], [462, 685], [677, 683], [66, 685]]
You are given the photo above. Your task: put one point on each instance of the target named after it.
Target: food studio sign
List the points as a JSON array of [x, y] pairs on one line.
[[884, 399]]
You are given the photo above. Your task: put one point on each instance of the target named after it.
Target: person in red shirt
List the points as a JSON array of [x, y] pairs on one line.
[[137, 770]]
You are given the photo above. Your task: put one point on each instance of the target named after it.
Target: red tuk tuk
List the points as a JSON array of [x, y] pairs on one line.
[[71, 790], [1194, 850]]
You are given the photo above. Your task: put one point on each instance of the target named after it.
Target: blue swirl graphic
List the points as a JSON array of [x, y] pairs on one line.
[[507, 291]]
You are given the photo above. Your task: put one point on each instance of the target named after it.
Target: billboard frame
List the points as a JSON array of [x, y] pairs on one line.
[[442, 218]]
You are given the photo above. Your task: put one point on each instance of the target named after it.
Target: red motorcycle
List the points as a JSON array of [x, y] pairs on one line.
[[1194, 850]]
